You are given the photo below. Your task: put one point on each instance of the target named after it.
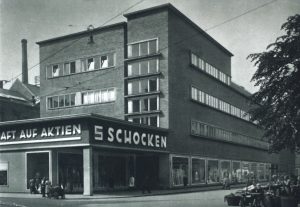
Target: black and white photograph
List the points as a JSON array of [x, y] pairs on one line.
[[142, 103]]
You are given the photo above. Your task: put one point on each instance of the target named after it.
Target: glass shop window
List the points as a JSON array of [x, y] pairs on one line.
[[261, 172], [268, 171], [245, 171], [180, 171], [236, 173], [213, 171], [3, 173], [37, 168], [225, 170], [198, 171]]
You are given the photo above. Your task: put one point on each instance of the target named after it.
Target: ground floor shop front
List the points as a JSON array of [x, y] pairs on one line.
[[89, 153]]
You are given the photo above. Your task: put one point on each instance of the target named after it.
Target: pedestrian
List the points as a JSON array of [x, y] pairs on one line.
[[131, 183], [146, 184], [43, 186], [47, 187], [32, 186]]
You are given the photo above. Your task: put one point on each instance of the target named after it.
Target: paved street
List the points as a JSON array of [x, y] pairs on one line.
[[205, 199]]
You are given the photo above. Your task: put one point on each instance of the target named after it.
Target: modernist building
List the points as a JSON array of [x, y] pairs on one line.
[[158, 69]]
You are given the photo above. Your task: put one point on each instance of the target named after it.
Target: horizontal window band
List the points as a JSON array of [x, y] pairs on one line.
[[82, 72]]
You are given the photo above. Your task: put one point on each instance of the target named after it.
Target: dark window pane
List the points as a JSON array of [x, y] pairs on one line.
[[72, 67], [72, 99], [153, 121], [111, 60], [136, 120], [144, 67], [153, 85], [135, 87], [153, 66], [152, 47], [55, 101], [135, 106], [135, 50], [153, 104], [144, 48], [3, 177], [144, 86], [145, 104], [61, 101], [67, 69], [50, 103], [144, 120], [67, 100]]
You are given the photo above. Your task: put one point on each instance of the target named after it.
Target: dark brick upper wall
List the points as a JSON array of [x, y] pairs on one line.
[[183, 38], [105, 41]]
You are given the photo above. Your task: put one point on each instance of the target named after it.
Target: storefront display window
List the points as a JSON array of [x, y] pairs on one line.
[[180, 171], [37, 168], [225, 170], [70, 172], [198, 171], [261, 172], [236, 172], [112, 172], [245, 171], [213, 171], [253, 171], [268, 171]]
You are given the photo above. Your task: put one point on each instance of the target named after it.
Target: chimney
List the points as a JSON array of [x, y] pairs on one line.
[[24, 62]]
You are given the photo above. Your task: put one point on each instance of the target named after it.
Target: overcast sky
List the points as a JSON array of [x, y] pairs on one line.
[[37, 20]]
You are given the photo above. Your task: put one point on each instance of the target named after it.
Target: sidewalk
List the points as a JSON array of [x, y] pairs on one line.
[[123, 194]]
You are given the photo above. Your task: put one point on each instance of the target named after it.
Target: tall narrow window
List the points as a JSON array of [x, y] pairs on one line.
[[91, 64], [104, 61], [72, 67], [55, 70], [66, 68], [152, 46]]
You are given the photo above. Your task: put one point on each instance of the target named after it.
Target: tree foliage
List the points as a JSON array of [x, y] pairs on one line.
[[278, 99]]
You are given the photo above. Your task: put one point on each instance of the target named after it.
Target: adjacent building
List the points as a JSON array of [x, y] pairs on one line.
[[158, 101]]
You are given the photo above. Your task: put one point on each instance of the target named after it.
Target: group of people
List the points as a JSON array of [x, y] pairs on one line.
[[40, 186]]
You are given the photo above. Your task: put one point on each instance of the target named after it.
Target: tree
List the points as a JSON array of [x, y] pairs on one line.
[[277, 103]]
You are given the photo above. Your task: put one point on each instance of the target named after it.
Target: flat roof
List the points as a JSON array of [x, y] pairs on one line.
[[180, 14], [79, 116], [97, 29]]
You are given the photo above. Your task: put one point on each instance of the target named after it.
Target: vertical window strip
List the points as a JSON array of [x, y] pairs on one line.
[[138, 68]]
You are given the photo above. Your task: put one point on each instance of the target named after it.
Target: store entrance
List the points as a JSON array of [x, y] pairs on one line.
[[37, 168], [70, 172], [147, 165]]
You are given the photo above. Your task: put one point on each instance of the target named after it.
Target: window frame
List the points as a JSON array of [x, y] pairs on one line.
[[7, 172], [139, 47]]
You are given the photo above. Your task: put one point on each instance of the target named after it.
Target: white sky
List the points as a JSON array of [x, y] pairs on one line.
[[37, 20]]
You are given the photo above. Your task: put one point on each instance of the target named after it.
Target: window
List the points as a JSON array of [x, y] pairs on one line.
[[245, 171], [143, 104], [78, 98], [3, 173], [66, 68], [224, 170], [198, 171], [91, 63], [148, 120], [180, 171], [213, 171], [236, 174], [143, 67], [142, 86], [107, 61], [55, 71], [142, 48]]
